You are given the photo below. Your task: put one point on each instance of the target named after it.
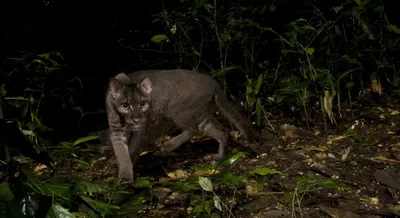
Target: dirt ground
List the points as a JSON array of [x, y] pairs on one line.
[[353, 171]]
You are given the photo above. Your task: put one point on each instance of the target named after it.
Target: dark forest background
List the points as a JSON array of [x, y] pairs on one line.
[[307, 63], [98, 40]]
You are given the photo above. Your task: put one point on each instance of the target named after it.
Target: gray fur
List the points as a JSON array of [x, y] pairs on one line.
[[188, 98]]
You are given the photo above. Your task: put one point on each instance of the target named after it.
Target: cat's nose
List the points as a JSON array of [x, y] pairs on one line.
[[135, 120]]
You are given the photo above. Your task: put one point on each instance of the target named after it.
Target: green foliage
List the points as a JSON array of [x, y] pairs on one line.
[[71, 147], [36, 194], [318, 50], [264, 171], [31, 76], [307, 186]]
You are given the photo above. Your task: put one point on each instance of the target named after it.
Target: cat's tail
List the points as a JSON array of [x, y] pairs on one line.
[[234, 116]]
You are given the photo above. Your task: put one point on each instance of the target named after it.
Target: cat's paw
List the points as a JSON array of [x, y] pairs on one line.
[[126, 174], [166, 148], [214, 157]]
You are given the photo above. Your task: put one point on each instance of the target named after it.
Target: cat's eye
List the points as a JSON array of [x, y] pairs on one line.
[[125, 105], [143, 103]]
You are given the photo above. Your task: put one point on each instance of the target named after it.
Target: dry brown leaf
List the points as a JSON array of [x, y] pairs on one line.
[[395, 112], [162, 139], [382, 159], [375, 83], [38, 169], [161, 192], [253, 191], [102, 158], [338, 212], [289, 134], [327, 106], [319, 148], [197, 138], [165, 180], [339, 138], [205, 172], [178, 174]]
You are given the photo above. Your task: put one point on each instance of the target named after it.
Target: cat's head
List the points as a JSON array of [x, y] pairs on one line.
[[131, 101]]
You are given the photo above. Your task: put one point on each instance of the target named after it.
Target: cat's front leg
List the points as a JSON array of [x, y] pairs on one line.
[[176, 141], [119, 141], [134, 144]]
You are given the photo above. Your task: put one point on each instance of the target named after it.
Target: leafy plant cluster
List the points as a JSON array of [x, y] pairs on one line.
[[24, 194], [314, 65], [318, 62]]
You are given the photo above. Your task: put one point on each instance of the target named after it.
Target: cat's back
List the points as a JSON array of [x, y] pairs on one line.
[[175, 76]]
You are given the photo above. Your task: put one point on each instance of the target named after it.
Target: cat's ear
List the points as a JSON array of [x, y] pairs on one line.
[[122, 77], [114, 86], [145, 85]]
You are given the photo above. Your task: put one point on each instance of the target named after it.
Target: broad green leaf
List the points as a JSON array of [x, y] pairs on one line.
[[288, 196], [393, 28], [310, 51], [347, 73], [380, 9], [230, 179], [350, 60], [77, 108], [18, 60], [308, 27], [188, 185], [264, 8], [264, 171], [159, 38], [224, 71], [57, 211], [204, 207], [301, 20], [65, 144], [272, 7], [81, 162], [334, 183], [217, 202], [62, 190], [143, 183], [197, 54], [173, 29], [231, 159], [87, 188], [205, 184], [258, 84], [5, 192], [337, 9], [85, 139], [349, 84], [358, 2], [258, 112], [29, 205], [49, 54], [100, 206]]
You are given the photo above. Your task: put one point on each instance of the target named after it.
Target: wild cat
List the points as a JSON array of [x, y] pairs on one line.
[[188, 98]]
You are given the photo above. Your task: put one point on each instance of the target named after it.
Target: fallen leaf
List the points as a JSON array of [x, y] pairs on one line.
[[382, 159], [160, 192], [339, 138], [178, 174], [319, 148], [205, 172], [338, 212], [161, 140], [395, 112], [253, 191], [395, 209], [39, 168]]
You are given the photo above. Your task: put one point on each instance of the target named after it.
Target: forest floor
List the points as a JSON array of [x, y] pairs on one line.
[[352, 171]]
